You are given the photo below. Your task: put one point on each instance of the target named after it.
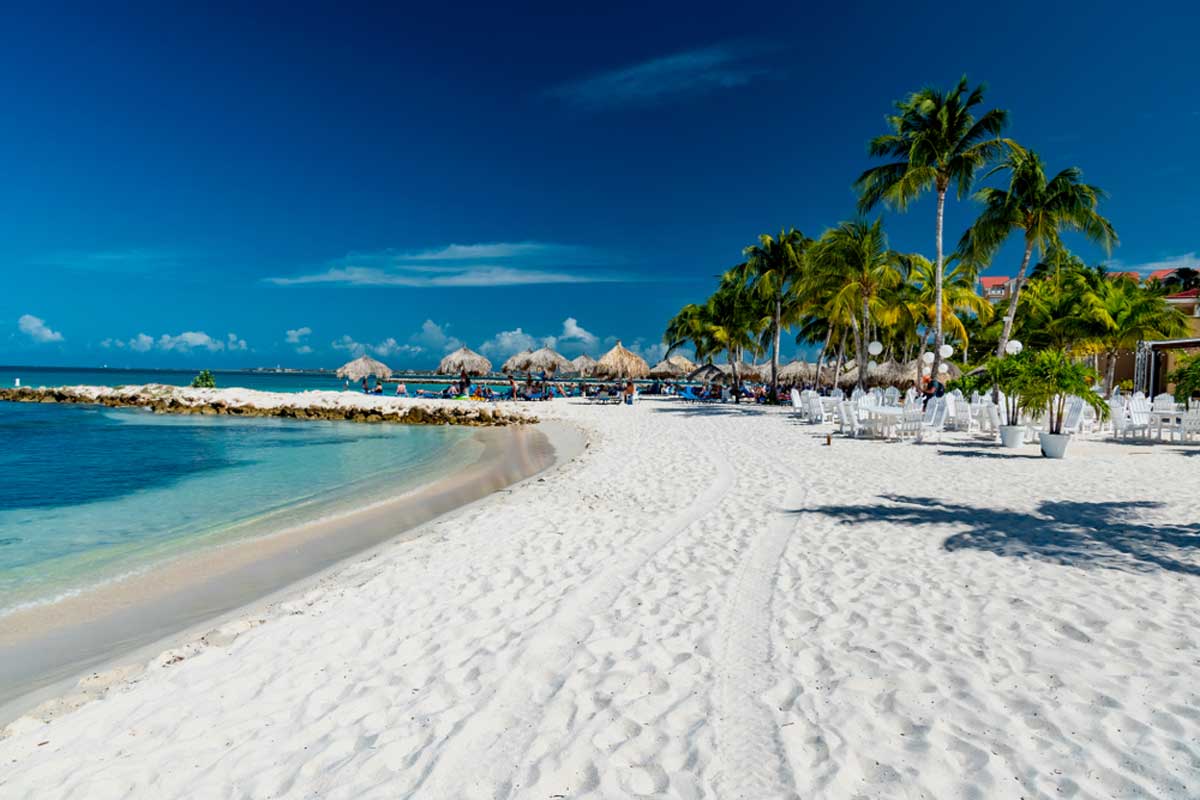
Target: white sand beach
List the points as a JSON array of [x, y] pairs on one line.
[[708, 602]]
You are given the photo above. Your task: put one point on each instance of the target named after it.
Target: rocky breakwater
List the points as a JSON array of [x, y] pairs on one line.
[[341, 406]]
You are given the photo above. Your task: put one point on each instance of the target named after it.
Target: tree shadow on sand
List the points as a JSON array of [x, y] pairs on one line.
[[1111, 535]]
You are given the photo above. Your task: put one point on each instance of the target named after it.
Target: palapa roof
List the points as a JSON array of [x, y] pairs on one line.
[[583, 365], [706, 372], [548, 360], [667, 369], [798, 371], [621, 363], [516, 363], [464, 359], [363, 367], [889, 373], [682, 361]]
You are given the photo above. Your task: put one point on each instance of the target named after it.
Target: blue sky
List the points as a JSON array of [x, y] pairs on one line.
[[292, 186]]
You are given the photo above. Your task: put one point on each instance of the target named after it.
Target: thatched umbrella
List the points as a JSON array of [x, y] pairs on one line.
[[849, 376], [363, 367], [683, 362], [517, 362], [546, 360], [667, 369], [745, 371], [708, 372], [583, 365], [798, 372], [464, 359], [621, 363], [890, 373]]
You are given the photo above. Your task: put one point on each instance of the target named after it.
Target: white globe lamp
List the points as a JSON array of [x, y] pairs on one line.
[[875, 348], [872, 365], [927, 358], [1013, 347], [927, 371], [946, 351], [943, 368]]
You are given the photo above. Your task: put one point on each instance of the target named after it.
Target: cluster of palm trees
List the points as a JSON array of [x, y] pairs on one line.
[[847, 287]]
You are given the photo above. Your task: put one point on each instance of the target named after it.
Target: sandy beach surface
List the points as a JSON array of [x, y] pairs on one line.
[[708, 602]]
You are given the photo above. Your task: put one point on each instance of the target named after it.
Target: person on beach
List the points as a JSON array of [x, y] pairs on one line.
[[512, 388], [629, 392], [401, 390], [933, 388], [364, 386]]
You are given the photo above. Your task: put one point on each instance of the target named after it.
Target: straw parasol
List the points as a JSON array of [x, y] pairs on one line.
[[745, 371], [546, 360], [583, 365], [683, 362], [890, 373], [363, 367], [797, 372], [516, 363], [621, 363], [464, 359], [708, 372], [667, 369]]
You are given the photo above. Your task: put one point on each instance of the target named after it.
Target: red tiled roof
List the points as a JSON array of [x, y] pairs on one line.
[[1161, 273], [1184, 295], [990, 281]]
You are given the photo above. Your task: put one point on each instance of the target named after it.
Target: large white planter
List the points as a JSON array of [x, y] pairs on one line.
[[1012, 435], [1054, 445]]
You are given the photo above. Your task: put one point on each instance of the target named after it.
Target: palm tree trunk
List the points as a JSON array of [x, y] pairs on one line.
[[920, 352], [937, 279], [1110, 373], [862, 344], [1012, 302], [775, 351], [734, 356], [821, 358], [837, 367]]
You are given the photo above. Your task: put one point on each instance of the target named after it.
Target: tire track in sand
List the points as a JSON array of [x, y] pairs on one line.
[[752, 763], [483, 756]]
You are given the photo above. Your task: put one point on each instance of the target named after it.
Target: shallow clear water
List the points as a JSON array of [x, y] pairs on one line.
[[91, 493]]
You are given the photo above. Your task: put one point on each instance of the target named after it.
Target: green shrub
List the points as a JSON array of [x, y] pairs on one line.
[[204, 380], [1187, 379], [1049, 378]]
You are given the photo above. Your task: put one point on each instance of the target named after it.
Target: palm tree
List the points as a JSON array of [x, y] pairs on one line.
[[1124, 314], [691, 325], [960, 299], [935, 141], [734, 322], [853, 264], [773, 270], [1041, 209]]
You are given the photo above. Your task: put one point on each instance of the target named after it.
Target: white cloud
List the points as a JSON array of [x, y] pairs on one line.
[[692, 72], [462, 265], [572, 331], [189, 340], [434, 337], [506, 343], [141, 343], [349, 345], [297, 336], [652, 352], [232, 342], [390, 347], [1190, 260], [304, 349], [35, 328]]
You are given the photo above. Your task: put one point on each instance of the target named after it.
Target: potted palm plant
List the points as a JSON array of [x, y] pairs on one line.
[[1006, 373], [1049, 379]]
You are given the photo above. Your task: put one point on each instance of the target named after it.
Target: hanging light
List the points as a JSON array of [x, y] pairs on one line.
[[872, 365], [927, 371], [875, 348], [927, 357], [946, 351], [943, 368], [1013, 347]]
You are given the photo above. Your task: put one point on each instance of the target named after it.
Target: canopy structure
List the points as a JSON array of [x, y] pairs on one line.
[[621, 363], [667, 369], [363, 367], [745, 371], [889, 373], [464, 360], [516, 363], [583, 365], [798, 372], [685, 363], [546, 360], [708, 372]]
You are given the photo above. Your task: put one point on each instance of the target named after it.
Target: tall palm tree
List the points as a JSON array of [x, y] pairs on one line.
[[691, 325], [854, 264], [773, 270], [936, 141], [1041, 209], [735, 321]]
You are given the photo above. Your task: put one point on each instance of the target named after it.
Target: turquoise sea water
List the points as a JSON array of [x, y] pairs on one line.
[[91, 493]]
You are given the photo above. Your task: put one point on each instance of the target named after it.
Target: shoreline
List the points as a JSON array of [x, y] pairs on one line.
[[52, 647], [308, 405]]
